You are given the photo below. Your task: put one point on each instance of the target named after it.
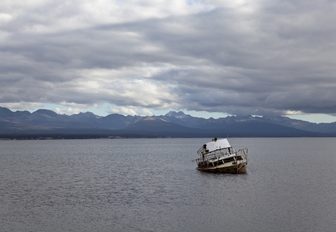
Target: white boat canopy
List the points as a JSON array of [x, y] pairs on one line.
[[217, 144]]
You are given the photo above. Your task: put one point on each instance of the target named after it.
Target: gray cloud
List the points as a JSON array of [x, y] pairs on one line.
[[266, 57]]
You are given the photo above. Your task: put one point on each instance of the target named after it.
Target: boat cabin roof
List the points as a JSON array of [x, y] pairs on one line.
[[217, 144]]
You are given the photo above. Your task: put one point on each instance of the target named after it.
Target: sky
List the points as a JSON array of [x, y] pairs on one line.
[[145, 57]]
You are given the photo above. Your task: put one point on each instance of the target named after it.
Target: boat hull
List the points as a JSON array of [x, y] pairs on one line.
[[232, 169]]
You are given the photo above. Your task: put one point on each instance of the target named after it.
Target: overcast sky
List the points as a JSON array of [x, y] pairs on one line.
[[147, 57]]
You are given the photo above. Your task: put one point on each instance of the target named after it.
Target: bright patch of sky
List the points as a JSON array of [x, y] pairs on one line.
[[317, 118], [205, 114]]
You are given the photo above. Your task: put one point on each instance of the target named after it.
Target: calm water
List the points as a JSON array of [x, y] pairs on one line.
[[152, 185]]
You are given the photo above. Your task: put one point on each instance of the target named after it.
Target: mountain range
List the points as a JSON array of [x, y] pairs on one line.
[[48, 124]]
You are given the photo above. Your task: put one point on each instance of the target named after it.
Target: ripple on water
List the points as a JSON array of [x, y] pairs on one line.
[[152, 185]]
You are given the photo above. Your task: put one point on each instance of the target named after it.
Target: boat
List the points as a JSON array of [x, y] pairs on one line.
[[219, 156]]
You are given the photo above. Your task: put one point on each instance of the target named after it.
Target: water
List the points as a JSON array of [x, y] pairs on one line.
[[152, 185]]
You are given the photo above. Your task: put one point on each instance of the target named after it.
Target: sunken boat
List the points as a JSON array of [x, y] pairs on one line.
[[219, 156]]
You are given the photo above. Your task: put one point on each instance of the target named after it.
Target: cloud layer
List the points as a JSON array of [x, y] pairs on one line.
[[236, 57]]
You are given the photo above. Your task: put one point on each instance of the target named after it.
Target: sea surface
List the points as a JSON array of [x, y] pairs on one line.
[[152, 185]]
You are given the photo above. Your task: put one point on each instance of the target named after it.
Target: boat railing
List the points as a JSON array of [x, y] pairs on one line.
[[212, 155], [215, 155], [243, 152]]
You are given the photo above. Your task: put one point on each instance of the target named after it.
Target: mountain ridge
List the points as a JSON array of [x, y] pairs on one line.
[[47, 123]]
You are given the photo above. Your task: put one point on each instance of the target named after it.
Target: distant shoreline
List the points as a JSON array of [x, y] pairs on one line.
[[83, 137]]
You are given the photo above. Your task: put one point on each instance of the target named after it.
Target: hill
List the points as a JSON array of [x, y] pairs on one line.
[[48, 124]]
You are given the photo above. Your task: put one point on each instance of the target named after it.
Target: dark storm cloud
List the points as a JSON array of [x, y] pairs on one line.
[[266, 57]]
